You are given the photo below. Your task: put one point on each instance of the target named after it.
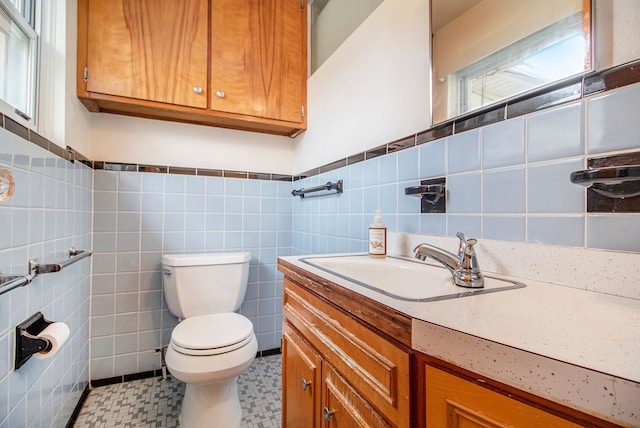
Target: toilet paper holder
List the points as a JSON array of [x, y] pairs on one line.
[[27, 340]]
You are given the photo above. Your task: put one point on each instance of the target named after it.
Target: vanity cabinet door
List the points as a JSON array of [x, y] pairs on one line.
[[152, 50], [376, 369], [301, 378], [454, 402], [343, 407]]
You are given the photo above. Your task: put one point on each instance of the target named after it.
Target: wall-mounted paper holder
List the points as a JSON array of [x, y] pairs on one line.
[[27, 340]]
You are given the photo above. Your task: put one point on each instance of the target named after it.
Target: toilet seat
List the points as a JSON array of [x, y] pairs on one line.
[[211, 334]]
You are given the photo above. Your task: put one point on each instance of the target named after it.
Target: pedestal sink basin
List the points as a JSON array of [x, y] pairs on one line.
[[401, 278]]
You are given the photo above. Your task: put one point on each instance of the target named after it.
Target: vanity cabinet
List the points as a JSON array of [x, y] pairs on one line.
[[337, 370], [351, 355], [223, 63], [450, 397]]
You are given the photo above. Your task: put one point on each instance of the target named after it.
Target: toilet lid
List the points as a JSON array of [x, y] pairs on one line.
[[206, 334]]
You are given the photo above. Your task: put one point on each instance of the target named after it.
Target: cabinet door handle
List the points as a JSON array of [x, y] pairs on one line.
[[197, 89], [305, 384], [220, 93], [327, 414]]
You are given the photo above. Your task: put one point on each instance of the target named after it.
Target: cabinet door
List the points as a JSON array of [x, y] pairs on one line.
[[258, 65], [300, 380], [453, 402], [343, 406], [154, 50], [377, 369]]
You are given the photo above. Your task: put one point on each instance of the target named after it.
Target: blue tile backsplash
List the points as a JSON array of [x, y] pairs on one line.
[[503, 144], [556, 133], [612, 121], [507, 181]]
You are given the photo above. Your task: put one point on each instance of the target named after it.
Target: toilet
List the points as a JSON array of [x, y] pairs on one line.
[[212, 345]]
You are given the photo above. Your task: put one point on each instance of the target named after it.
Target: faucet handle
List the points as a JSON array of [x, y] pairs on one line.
[[469, 274], [462, 244], [468, 249]]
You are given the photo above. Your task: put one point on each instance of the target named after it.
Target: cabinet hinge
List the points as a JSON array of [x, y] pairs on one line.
[[301, 4], [302, 111], [85, 74]]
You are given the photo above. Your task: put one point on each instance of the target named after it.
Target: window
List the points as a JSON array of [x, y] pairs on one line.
[[18, 59]]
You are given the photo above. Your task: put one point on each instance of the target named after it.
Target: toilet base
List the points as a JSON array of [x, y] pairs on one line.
[[211, 405]]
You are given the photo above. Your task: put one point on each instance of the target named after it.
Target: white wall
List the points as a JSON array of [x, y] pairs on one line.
[[128, 139], [62, 119], [77, 119], [617, 33], [374, 88]]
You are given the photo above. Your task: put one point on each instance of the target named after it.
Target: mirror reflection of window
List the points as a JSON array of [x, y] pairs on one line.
[[486, 51], [549, 55]]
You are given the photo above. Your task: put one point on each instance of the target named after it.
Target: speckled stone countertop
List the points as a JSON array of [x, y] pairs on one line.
[[576, 347]]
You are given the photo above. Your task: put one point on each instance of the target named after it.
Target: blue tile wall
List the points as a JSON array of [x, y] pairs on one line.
[[506, 181], [140, 216], [503, 144], [50, 212]]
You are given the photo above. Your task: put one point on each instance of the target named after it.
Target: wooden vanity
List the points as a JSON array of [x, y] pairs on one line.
[[348, 361]]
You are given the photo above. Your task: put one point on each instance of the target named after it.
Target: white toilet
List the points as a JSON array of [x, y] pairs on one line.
[[212, 345]]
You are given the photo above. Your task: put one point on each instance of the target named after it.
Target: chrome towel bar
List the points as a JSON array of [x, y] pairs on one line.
[[11, 282], [74, 256], [337, 186]]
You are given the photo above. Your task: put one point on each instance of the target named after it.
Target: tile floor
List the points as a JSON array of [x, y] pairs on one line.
[[152, 403]]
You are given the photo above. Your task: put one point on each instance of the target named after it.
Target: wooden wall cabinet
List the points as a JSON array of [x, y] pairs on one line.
[[337, 372], [240, 65]]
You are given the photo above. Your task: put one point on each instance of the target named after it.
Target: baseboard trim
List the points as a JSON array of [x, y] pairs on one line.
[[78, 408]]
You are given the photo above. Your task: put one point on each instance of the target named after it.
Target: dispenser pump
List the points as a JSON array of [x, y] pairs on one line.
[[377, 237]]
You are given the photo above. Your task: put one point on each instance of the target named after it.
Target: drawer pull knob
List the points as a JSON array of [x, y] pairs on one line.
[[305, 384], [327, 414], [197, 89], [220, 93]]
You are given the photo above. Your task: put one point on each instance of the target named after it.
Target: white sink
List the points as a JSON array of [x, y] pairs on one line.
[[402, 278]]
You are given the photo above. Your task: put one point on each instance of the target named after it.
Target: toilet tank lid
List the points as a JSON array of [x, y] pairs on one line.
[[205, 259]]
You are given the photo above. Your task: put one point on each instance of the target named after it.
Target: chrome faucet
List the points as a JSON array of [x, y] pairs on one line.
[[464, 267]]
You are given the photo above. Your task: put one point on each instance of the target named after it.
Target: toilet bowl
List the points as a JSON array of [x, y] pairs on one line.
[[208, 353], [212, 345]]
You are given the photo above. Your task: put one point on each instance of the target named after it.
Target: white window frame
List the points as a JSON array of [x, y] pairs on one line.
[[31, 30]]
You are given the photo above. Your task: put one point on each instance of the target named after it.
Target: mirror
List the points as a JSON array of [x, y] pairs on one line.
[[487, 51]]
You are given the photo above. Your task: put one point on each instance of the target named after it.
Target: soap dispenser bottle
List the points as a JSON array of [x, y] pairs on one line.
[[377, 237]]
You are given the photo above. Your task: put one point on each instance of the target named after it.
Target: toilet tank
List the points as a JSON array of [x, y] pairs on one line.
[[202, 284]]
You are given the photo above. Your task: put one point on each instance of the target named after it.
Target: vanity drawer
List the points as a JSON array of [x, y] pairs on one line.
[[376, 368]]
